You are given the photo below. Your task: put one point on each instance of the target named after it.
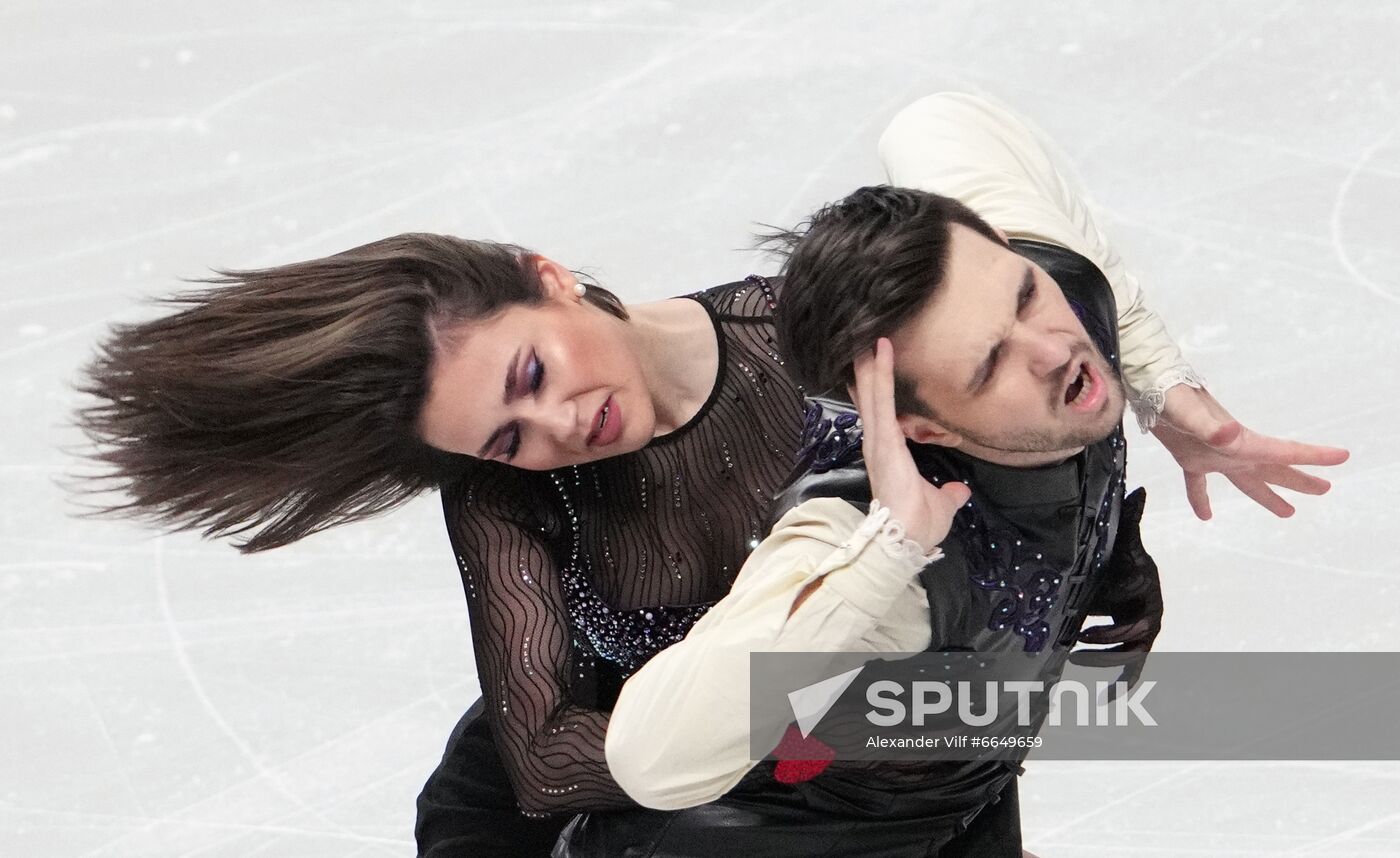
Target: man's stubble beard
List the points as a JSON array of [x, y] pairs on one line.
[[1045, 442]]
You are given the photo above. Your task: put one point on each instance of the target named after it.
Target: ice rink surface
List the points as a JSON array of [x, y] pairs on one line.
[[167, 696]]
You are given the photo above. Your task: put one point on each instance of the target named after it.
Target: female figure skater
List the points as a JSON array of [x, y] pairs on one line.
[[604, 469]]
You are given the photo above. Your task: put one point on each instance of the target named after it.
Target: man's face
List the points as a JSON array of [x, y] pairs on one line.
[[1002, 362]]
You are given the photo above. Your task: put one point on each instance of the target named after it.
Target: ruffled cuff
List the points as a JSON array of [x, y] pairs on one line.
[[889, 535], [1148, 404]]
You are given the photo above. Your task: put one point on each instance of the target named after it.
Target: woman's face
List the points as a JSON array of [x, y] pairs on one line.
[[541, 386]]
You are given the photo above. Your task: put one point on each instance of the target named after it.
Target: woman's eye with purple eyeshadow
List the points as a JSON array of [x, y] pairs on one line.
[[536, 373]]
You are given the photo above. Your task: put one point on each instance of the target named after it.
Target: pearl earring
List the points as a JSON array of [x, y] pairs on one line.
[[580, 289]]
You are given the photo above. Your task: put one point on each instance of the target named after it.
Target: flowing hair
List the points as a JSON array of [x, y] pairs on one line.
[[287, 398]]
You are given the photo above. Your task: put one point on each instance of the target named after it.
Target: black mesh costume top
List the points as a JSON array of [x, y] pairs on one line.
[[575, 577]]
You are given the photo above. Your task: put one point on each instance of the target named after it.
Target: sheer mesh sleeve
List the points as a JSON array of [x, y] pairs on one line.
[[552, 747]]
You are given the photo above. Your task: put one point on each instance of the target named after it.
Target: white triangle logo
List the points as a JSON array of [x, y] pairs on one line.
[[810, 704]]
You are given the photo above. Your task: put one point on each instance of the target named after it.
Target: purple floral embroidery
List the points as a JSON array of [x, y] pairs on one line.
[[999, 561], [827, 442]]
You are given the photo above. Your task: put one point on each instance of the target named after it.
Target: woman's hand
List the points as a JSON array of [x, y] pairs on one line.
[[925, 510], [1203, 437]]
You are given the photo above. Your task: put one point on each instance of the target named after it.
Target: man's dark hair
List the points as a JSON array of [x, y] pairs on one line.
[[856, 271]]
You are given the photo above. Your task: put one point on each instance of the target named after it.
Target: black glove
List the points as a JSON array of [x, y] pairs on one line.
[[1131, 592]]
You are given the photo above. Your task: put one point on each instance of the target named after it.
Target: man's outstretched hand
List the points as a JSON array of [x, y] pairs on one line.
[[1203, 438]]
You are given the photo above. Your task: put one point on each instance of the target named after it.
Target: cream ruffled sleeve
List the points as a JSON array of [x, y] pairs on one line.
[[679, 734], [1009, 172]]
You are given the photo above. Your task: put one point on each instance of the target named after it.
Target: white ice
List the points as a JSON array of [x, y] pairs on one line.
[[166, 696]]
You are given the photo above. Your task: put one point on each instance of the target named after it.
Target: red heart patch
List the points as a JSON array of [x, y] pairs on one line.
[[801, 758]]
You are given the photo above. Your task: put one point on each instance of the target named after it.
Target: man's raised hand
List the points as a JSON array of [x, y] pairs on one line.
[[925, 510]]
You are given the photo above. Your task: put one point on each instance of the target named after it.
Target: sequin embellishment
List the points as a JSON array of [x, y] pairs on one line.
[[628, 638]]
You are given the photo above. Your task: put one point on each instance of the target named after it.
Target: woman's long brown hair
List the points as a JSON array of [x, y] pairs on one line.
[[287, 398]]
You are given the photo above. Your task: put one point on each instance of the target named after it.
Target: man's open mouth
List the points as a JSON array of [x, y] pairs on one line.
[[1086, 390]]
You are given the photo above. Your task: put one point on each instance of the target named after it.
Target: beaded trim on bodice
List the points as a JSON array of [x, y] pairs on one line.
[[628, 638]]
